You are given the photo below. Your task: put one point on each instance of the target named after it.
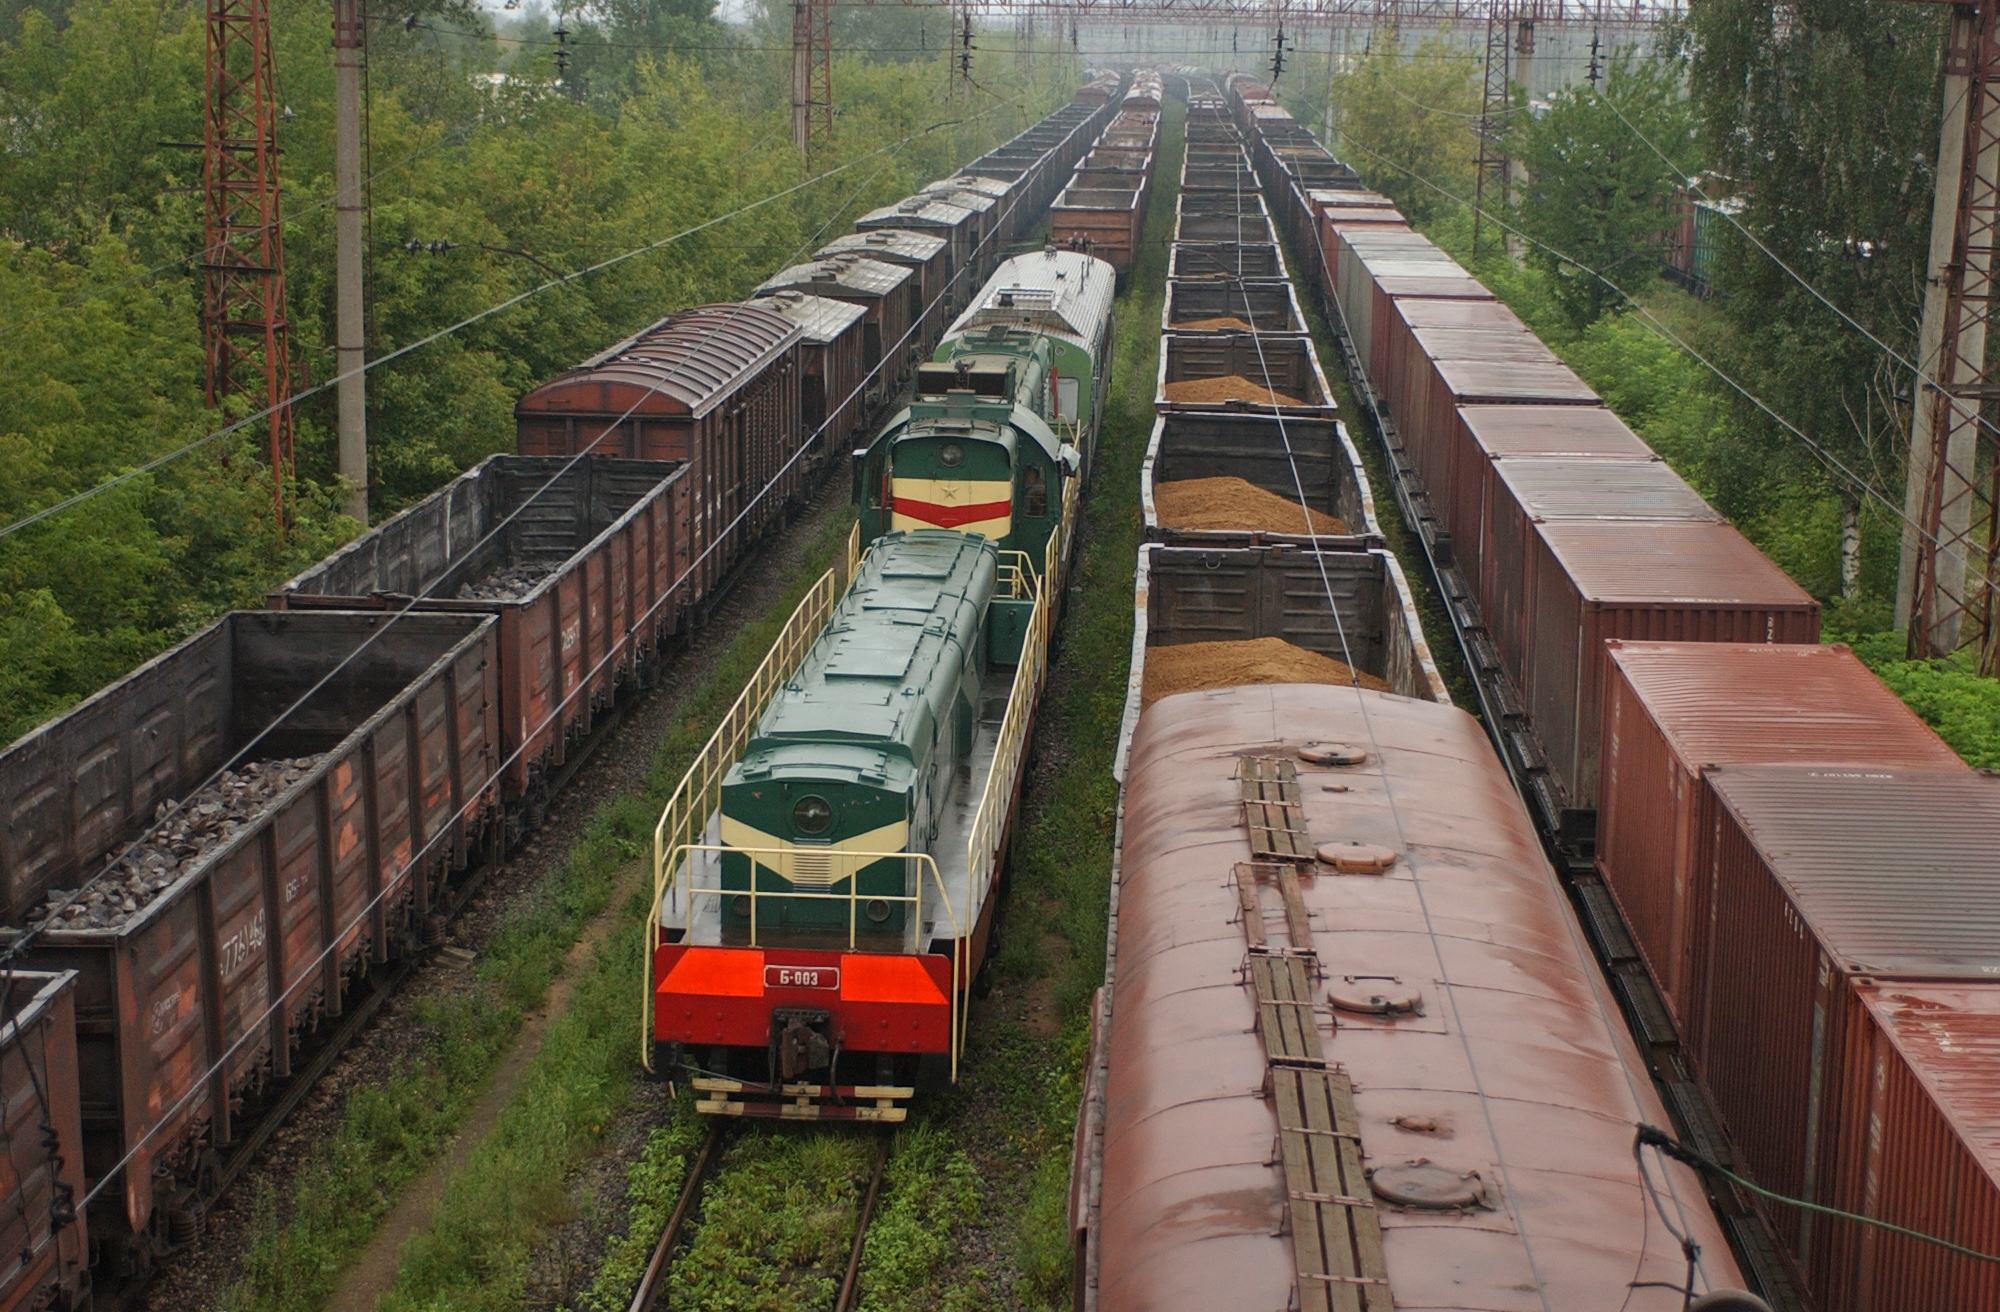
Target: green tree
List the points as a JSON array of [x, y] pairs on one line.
[[1598, 190], [1823, 118], [1406, 118]]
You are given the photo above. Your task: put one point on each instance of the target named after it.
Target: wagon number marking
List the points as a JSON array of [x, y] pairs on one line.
[[240, 947], [801, 977]]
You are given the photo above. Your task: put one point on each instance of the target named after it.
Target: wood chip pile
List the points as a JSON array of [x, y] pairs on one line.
[[1228, 502], [1229, 387], [1197, 666]]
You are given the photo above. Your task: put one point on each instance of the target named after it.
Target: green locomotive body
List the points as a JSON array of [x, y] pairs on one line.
[[859, 751]]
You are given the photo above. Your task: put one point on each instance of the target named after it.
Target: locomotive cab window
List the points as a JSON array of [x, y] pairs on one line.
[[1034, 492]]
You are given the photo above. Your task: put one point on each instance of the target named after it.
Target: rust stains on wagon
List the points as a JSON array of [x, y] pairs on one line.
[[44, 1242], [187, 1006], [1513, 1075]]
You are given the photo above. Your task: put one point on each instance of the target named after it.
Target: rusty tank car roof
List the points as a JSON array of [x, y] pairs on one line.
[[1517, 1068]]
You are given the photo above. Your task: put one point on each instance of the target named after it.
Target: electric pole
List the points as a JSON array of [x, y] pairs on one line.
[[349, 338]]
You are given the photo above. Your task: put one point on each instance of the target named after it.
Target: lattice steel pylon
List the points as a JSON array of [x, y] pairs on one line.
[[245, 333], [1952, 531], [1490, 165], [812, 75]]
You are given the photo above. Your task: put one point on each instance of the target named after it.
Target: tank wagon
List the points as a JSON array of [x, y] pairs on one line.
[[826, 875], [1782, 869], [383, 739]]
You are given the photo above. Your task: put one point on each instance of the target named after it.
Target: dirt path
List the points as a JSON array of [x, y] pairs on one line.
[[375, 1270]]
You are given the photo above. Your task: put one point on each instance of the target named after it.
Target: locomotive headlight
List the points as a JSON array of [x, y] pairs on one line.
[[878, 910], [952, 456], [740, 904], [811, 815]]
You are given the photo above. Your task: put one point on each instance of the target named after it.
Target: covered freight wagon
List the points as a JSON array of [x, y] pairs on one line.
[[365, 758], [933, 214], [585, 563], [926, 252], [717, 387], [889, 294], [44, 1237], [834, 380]]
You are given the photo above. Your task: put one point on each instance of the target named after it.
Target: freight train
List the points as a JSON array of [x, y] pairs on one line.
[[1786, 878], [826, 877], [245, 841]]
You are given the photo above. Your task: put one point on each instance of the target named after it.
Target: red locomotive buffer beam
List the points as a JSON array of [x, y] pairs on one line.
[[244, 330]]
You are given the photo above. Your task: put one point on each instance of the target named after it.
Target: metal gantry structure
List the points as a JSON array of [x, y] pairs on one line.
[[245, 332], [1950, 563]]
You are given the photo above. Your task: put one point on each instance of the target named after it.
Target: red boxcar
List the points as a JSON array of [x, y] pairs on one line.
[[717, 387]]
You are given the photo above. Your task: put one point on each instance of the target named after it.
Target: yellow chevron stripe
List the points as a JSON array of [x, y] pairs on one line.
[[953, 491], [815, 865]]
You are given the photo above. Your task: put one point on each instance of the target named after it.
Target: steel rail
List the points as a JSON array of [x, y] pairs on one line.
[[850, 1284], [649, 1284]]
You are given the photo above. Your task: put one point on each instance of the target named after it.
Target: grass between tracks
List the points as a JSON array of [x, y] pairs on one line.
[[475, 1254]]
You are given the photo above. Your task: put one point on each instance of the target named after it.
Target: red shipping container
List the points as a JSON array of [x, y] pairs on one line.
[[1411, 356], [1921, 1149], [1680, 580], [1830, 881], [1481, 434], [1673, 708], [1492, 378]]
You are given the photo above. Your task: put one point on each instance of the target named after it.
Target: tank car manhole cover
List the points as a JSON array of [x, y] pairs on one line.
[[1425, 1184], [1332, 754], [1355, 858]]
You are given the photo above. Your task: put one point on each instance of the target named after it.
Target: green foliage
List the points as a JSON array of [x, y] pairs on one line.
[[652, 1189], [1948, 694], [1410, 112], [777, 1223], [930, 1193], [1597, 191], [666, 123], [1825, 116]]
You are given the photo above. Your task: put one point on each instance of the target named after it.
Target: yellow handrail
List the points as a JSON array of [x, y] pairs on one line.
[[683, 857], [700, 789]]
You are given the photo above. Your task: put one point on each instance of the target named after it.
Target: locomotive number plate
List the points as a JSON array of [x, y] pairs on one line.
[[801, 977]]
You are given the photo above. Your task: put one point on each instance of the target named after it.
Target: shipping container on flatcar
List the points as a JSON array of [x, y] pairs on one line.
[[1484, 434], [717, 387], [1239, 371], [1479, 368], [1675, 708], [1211, 306], [833, 379], [43, 1232], [580, 559], [891, 295], [1681, 580], [1288, 459], [928, 253], [367, 766], [1389, 1078], [1500, 560], [1833, 884]]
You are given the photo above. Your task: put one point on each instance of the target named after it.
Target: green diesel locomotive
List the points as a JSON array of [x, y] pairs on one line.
[[828, 916]]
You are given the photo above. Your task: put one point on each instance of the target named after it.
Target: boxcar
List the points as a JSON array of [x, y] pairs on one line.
[[43, 1234], [581, 560], [925, 252], [933, 214], [834, 380], [187, 1006], [717, 387], [891, 295]]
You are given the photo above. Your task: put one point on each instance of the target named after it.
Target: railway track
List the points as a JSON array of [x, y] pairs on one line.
[[647, 1296]]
